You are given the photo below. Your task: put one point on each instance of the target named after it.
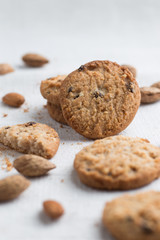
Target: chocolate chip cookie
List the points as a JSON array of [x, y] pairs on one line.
[[134, 217], [118, 163], [55, 112], [50, 89], [99, 99]]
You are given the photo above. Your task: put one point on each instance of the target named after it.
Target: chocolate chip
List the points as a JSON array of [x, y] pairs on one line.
[[77, 96], [88, 169], [129, 85], [97, 94], [109, 174], [30, 124], [7, 127], [81, 68], [129, 219], [146, 229], [70, 89]]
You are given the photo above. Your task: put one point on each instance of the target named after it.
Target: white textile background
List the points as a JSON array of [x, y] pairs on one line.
[[70, 33]]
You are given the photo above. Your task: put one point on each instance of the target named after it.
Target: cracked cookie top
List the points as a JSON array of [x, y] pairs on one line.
[[99, 99], [134, 217], [118, 162]]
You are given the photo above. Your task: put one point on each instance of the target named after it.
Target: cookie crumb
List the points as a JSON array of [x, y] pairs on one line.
[[6, 165], [79, 143], [62, 180], [5, 115], [45, 106], [26, 110]]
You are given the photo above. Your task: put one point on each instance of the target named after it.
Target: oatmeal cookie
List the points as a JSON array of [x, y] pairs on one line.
[[134, 217], [50, 89], [31, 137], [99, 99], [56, 113], [118, 163]]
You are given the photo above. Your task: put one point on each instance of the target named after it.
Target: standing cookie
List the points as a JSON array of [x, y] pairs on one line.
[[118, 163], [50, 89], [99, 99], [134, 217], [56, 113]]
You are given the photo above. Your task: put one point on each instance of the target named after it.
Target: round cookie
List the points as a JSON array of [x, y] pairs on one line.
[[56, 113], [50, 89], [134, 217], [99, 99], [118, 163]]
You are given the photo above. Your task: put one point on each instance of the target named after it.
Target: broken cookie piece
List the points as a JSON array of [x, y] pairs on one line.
[[33, 138]]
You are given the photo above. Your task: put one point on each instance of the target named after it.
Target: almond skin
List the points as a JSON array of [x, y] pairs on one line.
[[150, 94], [157, 85], [11, 187], [32, 166], [53, 209], [13, 99], [34, 60], [5, 68]]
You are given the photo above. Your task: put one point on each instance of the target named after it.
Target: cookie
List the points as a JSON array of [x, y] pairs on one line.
[[50, 89], [118, 163], [34, 60], [31, 137], [131, 69], [99, 99], [150, 94], [134, 217], [56, 113]]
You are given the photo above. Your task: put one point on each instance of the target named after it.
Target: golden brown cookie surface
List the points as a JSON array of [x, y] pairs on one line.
[[31, 137], [134, 217], [56, 113], [99, 99], [118, 162], [50, 89]]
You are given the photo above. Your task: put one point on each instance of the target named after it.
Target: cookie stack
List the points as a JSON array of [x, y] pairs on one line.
[[50, 90], [97, 100]]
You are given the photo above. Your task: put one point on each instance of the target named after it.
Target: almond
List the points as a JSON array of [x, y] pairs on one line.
[[32, 166], [13, 99], [53, 209], [131, 69], [157, 85], [34, 60], [149, 94], [5, 68], [11, 187]]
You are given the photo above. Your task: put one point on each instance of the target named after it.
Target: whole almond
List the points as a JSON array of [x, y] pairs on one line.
[[149, 94], [5, 68], [13, 99], [11, 187], [34, 60], [131, 69], [157, 85], [53, 209], [32, 166]]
